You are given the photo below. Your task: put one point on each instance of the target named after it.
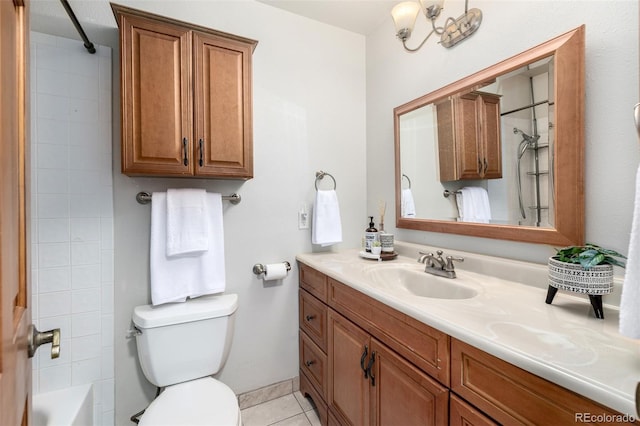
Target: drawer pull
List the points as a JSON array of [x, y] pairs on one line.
[[371, 361], [309, 363], [310, 317], [185, 160], [364, 356]]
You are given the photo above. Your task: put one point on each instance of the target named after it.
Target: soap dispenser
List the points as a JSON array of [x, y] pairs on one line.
[[370, 235]]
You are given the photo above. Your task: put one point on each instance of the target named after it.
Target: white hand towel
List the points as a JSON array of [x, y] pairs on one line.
[[187, 224], [175, 278], [630, 299], [473, 204], [327, 228], [407, 205]]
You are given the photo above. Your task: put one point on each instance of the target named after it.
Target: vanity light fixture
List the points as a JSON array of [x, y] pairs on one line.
[[453, 32]]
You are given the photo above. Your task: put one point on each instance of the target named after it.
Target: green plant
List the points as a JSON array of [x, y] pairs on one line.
[[377, 244], [589, 255]]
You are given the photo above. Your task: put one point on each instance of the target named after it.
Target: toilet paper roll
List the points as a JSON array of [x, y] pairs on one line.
[[275, 271]]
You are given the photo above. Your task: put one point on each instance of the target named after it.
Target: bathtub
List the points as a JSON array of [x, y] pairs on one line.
[[66, 407]]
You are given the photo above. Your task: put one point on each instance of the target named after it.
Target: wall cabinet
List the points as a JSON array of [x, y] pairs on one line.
[[364, 363], [469, 144], [186, 99]]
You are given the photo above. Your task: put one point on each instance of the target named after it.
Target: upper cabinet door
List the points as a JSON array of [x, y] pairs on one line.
[[156, 98], [223, 121]]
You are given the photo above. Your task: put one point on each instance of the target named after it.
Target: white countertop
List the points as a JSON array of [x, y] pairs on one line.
[[562, 342]]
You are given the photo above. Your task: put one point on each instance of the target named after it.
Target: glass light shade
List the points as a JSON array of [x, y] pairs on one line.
[[404, 15], [431, 8]]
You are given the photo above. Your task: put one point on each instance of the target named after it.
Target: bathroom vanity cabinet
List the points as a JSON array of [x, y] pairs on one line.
[[363, 362], [469, 144], [186, 98]]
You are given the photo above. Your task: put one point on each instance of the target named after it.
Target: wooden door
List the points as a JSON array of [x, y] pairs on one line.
[[157, 132], [15, 313], [223, 108], [403, 395], [348, 387]]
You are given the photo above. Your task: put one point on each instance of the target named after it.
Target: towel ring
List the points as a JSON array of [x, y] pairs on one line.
[[320, 175], [408, 180]]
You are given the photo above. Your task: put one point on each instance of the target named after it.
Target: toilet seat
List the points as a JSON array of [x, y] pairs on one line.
[[205, 401]]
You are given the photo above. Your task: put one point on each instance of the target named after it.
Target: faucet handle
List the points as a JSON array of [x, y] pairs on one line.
[[450, 260]]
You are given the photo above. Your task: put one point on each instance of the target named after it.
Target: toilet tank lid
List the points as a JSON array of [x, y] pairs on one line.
[[204, 307]]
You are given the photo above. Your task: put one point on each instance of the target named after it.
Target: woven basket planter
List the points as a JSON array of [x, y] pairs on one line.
[[594, 282]]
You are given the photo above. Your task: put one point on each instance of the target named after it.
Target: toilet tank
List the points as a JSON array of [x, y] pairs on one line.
[[178, 342]]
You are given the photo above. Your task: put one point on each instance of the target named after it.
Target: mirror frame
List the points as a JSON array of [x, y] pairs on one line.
[[568, 167]]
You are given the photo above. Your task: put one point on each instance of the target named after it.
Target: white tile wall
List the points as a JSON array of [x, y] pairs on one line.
[[72, 216]]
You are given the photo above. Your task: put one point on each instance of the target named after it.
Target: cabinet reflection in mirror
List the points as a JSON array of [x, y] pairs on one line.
[[505, 143]]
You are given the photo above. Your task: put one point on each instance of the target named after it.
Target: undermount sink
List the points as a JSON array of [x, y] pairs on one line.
[[408, 280]]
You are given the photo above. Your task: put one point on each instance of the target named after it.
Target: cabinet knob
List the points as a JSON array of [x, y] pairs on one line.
[[310, 317], [309, 363]]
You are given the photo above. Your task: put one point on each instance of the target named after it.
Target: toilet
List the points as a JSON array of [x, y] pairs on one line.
[[180, 345]]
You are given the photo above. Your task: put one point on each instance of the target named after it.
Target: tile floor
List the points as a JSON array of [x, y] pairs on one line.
[[289, 410]]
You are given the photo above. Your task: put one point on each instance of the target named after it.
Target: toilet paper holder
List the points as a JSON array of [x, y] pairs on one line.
[[259, 268]]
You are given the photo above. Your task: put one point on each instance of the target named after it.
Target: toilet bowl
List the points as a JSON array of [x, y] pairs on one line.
[[204, 401], [180, 346]]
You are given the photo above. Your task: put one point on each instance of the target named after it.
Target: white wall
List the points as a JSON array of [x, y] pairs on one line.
[[309, 115], [509, 27], [72, 216]]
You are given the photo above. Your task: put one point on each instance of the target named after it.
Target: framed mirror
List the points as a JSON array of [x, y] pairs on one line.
[[509, 140]]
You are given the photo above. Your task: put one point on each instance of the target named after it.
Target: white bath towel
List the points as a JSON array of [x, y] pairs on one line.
[[187, 224], [473, 204], [327, 228], [630, 299], [175, 278], [407, 205]]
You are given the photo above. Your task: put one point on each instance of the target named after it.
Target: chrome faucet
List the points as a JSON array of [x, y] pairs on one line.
[[436, 265]]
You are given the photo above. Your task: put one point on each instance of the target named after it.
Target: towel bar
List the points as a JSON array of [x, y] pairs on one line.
[[446, 193], [145, 198]]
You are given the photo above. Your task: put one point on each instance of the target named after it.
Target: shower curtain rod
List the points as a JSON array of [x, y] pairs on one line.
[[526, 107], [87, 44]]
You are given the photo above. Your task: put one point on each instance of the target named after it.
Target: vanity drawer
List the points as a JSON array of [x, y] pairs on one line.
[[424, 346], [511, 395], [313, 281], [313, 319], [313, 362]]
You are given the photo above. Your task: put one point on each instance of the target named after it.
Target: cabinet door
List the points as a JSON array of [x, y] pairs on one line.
[[156, 93], [349, 348], [222, 78], [403, 395], [490, 133], [469, 150]]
